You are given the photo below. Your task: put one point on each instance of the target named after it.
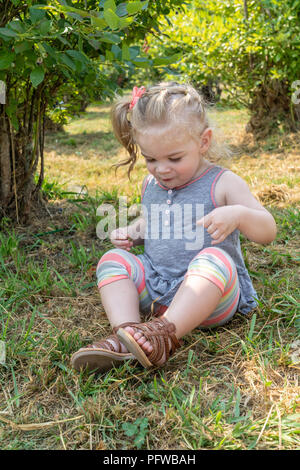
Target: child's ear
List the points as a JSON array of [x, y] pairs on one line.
[[205, 140]]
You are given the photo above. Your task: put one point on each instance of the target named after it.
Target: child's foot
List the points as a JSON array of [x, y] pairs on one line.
[[146, 345], [140, 339], [152, 342]]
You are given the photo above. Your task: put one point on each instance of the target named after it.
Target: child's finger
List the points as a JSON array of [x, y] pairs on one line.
[[121, 243], [205, 221], [120, 236], [215, 234], [220, 239]]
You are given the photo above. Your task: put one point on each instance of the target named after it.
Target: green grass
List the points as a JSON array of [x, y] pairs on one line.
[[232, 388]]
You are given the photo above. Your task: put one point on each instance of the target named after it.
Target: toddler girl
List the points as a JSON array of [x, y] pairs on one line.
[[192, 270]]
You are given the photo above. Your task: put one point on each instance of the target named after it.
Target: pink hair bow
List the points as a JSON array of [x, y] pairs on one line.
[[137, 93]]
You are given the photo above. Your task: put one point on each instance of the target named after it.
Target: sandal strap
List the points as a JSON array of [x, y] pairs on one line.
[[114, 345], [158, 332], [123, 325]]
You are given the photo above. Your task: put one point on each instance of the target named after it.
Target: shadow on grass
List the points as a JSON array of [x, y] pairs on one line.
[[276, 143], [87, 137], [102, 142], [95, 115]]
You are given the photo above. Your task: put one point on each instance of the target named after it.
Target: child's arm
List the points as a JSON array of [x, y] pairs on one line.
[[239, 209]]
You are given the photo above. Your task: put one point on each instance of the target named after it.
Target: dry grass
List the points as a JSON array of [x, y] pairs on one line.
[[236, 387]]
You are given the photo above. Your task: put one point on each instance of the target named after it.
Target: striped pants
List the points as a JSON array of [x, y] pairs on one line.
[[211, 263]]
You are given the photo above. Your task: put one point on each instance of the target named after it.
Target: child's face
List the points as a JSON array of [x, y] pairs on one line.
[[172, 157]]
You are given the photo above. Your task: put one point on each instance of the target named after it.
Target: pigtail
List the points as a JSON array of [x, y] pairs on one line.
[[123, 131]]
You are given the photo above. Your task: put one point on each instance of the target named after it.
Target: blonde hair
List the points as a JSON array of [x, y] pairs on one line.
[[164, 103]]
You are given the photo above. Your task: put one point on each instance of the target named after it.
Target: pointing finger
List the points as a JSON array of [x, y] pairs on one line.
[[205, 221]]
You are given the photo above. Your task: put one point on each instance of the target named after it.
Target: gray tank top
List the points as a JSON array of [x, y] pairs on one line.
[[172, 238]]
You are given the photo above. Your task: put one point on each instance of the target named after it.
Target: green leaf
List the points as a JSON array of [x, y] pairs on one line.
[[116, 50], [121, 9], [110, 38], [95, 44], [111, 18], [252, 326], [130, 429], [77, 55], [80, 59], [37, 76], [68, 61], [6, 60], [139, 440], [22, 46], [110, 5], [45, 27], [8, 33], [36, 14], [134, 52], [167, 60], [17, 26], [98, 22], [141, 62], [124, 22], [75, 11], [49, 50], [109, 55], [31, 57], [134, 7], [125, 52], [64, 40]]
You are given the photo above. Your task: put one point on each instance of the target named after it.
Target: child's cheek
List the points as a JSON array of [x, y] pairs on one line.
[[151, 168]]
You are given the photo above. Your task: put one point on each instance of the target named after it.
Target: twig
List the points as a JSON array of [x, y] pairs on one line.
[[34, 426], [265, 424], [279, 426], [62, 438]]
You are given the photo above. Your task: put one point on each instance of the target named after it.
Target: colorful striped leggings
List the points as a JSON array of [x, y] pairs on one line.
[[211, 263]]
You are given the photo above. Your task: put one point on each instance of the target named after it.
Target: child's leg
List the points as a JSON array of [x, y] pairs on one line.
[[120, 300], [210, 292], [195, 300], [121, 281], [208, 295]]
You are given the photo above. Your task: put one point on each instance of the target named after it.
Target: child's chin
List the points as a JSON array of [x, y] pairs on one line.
[[168, 182]]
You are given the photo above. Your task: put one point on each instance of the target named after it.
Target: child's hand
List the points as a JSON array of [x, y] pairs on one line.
[[120, 238], [220, 222]]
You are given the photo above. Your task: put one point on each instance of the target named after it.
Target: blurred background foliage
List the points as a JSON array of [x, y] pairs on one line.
[[57, 57]]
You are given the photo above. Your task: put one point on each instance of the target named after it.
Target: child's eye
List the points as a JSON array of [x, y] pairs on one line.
[[175, 159]]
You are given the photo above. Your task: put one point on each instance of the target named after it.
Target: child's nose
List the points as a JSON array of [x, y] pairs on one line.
[[163, 168]]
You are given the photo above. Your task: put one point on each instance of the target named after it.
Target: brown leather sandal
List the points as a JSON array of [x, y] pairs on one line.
[[101, 355], [158, 332]]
